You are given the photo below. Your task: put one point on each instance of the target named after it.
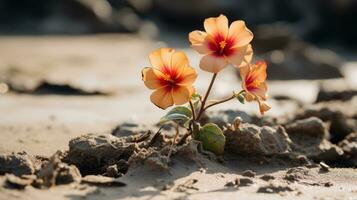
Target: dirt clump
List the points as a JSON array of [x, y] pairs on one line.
[[17, 163], [149, 157], [56, 172], [250, 139], [275, 188], [91, 152]]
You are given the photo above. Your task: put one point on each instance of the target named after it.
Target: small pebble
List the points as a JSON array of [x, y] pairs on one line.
[[324, 167]]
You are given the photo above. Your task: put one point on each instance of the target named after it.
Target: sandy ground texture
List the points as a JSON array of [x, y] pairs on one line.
[[69, 86]]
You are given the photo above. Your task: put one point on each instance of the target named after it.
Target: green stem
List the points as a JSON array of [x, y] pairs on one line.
[[193, 111], [206, 96], [219, 102]]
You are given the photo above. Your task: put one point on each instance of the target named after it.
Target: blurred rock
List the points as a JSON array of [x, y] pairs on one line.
[[71, 16], [17, 164], [310, 137], [128, 129], [223, 117], [312, 126], [289, 57], [250, 139], [338, 114], [339, 89]]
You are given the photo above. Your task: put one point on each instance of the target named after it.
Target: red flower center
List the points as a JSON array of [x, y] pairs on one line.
[[250, 83], [221, 46], [171, 78]]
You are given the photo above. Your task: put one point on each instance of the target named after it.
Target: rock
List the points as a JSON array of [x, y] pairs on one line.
[[244, 182], [55, 172], [249, 173], [98, 180], [310, 136], [15, 182], [17, 164], [91, 152], [250, 139], [274, 188], [267, 177]]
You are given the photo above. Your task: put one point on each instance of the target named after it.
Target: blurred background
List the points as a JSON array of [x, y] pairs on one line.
[[69, 67]]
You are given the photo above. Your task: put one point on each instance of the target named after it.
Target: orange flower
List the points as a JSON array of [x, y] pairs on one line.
[[170, 76], [253, 82], [222, 45]]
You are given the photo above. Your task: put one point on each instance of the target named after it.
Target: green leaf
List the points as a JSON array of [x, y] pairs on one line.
[[241, 98], [196, 99], [212, 138], [179, 114]]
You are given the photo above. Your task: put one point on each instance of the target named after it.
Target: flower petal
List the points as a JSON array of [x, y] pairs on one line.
[[189, 76], [211, 63], [155, 59], [263, 107], [179, 61], [261, 91], [240, 34], [248, 96], [217, 26], [198, 40], [259, 71], [161, 58], [181, 95], [150, 79], [162, 97], [241, 56], [191, 89]]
